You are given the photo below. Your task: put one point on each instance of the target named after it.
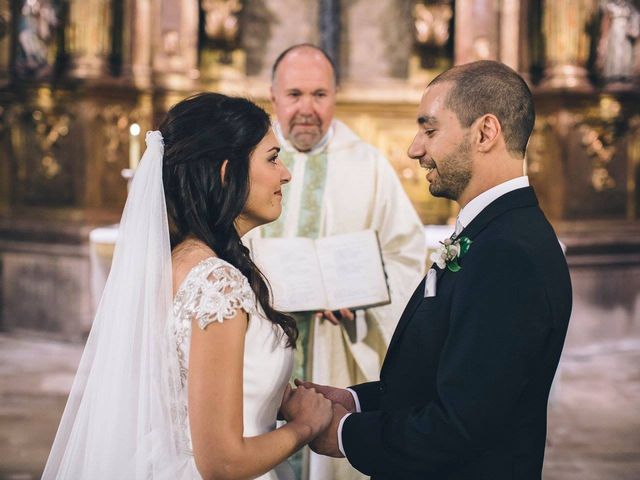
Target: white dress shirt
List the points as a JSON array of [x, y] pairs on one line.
[[466, 215], [475, 206]]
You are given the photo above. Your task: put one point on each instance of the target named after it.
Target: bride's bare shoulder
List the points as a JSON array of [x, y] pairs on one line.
[[185, 256]]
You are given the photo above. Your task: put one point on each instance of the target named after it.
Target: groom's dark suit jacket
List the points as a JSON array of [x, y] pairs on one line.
[[465, 383]]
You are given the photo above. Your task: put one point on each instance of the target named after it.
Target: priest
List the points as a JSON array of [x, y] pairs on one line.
[[340, 184]]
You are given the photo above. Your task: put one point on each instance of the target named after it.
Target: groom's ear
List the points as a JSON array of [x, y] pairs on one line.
[[489, 132]]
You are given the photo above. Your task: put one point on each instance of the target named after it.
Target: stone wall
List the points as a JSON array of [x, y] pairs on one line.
[[270, 26]]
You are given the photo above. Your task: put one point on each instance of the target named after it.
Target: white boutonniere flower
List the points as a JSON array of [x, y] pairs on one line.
[[450, 253]]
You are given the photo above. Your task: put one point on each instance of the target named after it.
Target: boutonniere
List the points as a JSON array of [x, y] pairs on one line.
[[451, 251]]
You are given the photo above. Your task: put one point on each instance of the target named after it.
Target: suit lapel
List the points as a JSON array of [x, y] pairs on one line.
[[413, 303]]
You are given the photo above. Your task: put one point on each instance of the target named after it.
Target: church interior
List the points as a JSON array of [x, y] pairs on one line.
[[82, 80]]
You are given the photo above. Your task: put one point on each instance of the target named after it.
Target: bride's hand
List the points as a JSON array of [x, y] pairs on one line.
[[341, 396], [306, 407]]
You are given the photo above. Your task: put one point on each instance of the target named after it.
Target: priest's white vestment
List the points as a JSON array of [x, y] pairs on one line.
[[346, 185]]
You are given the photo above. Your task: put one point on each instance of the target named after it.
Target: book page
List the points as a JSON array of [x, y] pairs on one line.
[[291, 267], [352, 270]]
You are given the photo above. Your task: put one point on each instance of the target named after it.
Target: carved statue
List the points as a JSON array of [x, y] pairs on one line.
[[432, 31], [432, 24], [36, 31], [221, 19], [620, 31]]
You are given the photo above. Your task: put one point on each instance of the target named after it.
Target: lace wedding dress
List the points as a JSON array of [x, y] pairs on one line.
[[213, 291], [127, 413]]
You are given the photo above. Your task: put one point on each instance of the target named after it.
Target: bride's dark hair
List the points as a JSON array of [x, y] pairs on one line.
[[200, 133]]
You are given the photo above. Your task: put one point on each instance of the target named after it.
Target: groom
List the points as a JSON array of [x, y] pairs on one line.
[[464, 386]]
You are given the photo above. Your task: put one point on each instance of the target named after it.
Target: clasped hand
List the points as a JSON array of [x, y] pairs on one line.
[[320, 408], [336, 318]]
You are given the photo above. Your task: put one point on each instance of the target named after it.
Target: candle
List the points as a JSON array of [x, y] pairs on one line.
[[134, 145]]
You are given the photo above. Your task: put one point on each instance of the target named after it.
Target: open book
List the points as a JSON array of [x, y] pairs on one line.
[[341, 271]]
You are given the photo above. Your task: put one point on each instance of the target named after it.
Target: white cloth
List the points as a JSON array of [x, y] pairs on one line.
[[211, 292], [430, 283], [361, 192], [459, 228], [356, 400]]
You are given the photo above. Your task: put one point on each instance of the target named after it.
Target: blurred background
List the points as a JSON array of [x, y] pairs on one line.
[[82, 80]]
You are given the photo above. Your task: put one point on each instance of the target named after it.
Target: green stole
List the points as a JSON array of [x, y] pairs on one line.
[[315, 177], [314, 182]]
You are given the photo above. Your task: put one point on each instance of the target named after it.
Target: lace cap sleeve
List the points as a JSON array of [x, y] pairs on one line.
[[219, 293]]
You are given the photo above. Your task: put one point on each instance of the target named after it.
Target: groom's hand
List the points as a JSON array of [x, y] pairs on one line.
[[340, 396], [327, 442]]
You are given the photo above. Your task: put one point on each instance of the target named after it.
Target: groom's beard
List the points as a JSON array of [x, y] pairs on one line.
[[453, 172]]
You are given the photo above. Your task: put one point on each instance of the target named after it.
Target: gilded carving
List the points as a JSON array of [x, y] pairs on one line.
[[633, 183], [4, 19], [597, 137], [5, 22], [43, 162], [565, 28], [89, 37], [537, 148], [598, 143], [50, 129], [113, 139], [115, 123]]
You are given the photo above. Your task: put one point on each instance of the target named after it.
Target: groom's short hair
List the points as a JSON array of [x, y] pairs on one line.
[[491, 87]]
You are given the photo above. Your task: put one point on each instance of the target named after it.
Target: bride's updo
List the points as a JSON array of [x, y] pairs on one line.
[[200, 133]]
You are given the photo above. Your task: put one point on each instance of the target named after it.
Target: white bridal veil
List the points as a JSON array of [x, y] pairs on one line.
[[118, 422]]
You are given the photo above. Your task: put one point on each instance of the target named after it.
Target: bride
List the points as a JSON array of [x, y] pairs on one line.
[[187, 363]]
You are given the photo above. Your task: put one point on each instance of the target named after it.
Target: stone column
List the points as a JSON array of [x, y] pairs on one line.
[[477, 31], [89, 38], [329, 20], [514, 35], [175, 43], [377, 40], [270, 26], [5, 41], [567, 43], [136, 42]]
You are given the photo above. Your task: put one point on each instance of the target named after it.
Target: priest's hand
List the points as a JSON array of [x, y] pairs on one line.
[[339, 396], [327, 442], [338, 316]]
